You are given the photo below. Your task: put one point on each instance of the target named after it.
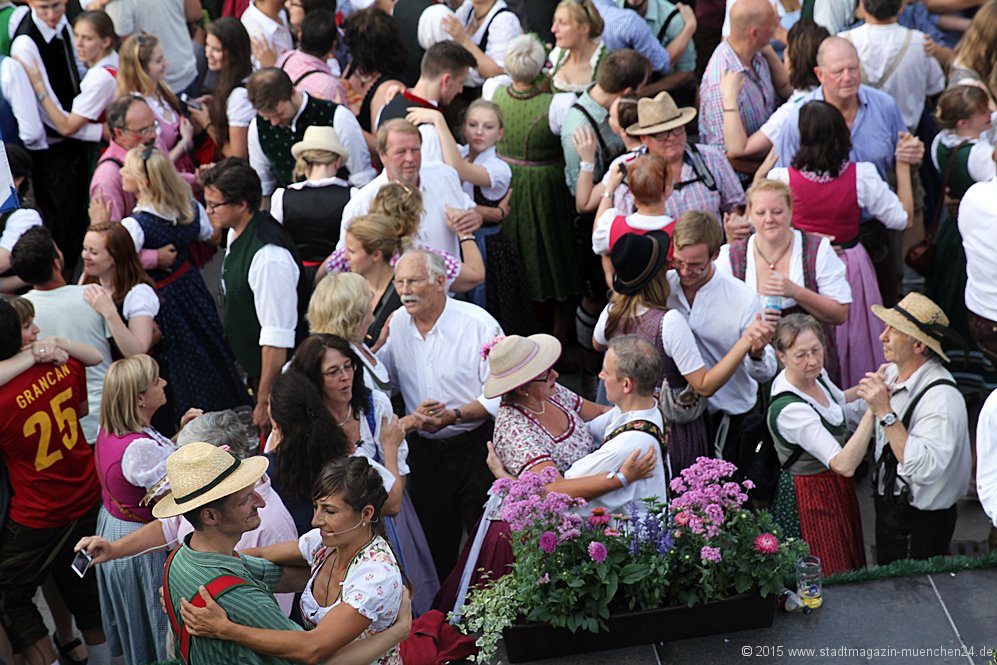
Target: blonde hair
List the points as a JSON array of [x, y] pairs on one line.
[[697, 227], [773, 186], [585, 13], [379, 233], [126, 379], [25, 308], [309, 158], [132, 77], [339, 305], [401, 203], [488, 106], [159, 184], [977, 49]]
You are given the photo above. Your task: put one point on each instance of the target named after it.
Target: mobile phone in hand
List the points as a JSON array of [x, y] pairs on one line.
[[81, 563]]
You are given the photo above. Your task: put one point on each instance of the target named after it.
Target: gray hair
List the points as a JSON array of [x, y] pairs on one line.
[[792, 326], [637, 360], [524, 58], [435, 265], [221, 428]]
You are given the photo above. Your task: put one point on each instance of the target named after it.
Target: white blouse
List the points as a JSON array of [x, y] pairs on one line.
[[143, 463], [981, 162], [831, 279], [503, 29], [604, 225], [370, 445], [240, 112], [677, 339], [141, 300], [97, 89], [499, 174]]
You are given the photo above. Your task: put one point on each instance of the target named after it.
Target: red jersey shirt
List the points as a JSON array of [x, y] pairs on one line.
[[49, 463]]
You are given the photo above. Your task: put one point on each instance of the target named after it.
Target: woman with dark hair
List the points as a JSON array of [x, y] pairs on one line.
[[356, 585], [228, 114], [829, 195], [377, 58], [119, 289], [96, 45], [803, 41]]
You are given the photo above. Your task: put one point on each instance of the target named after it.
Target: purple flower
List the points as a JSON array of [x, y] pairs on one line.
[[597, 551], [543, 579], [548, 541], [766, 543], [710, 554], [612, 533], [569, 534]]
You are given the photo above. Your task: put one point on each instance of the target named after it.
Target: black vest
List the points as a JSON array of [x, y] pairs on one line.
[[59, 59], [399, 106], [312, 217]]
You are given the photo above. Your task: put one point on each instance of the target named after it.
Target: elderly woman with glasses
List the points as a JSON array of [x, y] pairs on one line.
[[196, 360], [809, 418]]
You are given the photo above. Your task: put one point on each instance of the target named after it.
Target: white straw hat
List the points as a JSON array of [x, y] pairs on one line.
[[919, 317], [319, 138], [517, 360], [200, 473]]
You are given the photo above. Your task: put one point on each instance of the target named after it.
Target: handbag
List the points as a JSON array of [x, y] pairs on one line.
[[680, 405], [921, 257]]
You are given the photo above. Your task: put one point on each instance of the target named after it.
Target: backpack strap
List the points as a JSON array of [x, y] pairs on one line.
[[483, 45], [603, 146], [666, 24], [699, 166], [646, 427], [113, 160], [216, 588]]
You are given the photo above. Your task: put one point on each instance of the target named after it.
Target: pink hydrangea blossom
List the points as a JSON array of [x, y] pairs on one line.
[[766, 543], [597, 551], [487, 347]]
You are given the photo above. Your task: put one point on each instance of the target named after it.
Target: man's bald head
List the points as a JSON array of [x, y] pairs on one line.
[[839, 71], [748, 15], [835, 47]]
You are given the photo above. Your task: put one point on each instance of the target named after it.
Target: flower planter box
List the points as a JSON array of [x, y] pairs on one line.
[[533, 641]]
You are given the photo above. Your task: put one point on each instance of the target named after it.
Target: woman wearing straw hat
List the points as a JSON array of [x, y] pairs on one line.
[[312, 209], [539, 424], [639, 306]]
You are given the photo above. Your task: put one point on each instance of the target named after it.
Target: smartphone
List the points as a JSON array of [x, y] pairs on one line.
[[190, 102], [81, 563]]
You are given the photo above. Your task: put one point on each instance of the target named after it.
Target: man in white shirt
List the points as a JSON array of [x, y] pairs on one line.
[[630, 372], [262, 282], [267, 25], [922, 435], [986, 464], [720, 309], [449, 217], [16, 94], [433, 356], [61, 311]]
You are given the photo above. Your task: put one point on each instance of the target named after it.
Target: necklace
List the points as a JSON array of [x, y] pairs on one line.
[[543, 407], [478, 18], [348, 418], [771, 264]]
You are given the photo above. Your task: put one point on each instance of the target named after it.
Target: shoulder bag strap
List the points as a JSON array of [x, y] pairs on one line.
[[484, 38], [668, 22], [603, 147], [893, 65], [113, 160], [945, 184], [699, 166], [306, 75]]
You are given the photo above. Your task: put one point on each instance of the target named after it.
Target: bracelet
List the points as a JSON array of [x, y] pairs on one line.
[[587, 166], [622, 478], [730, 110], [466, 238], [607, 195]]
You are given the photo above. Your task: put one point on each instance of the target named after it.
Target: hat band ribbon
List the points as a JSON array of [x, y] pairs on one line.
[[661, 122], [522, 363], [923, 327], [210, 486], [647, 269]]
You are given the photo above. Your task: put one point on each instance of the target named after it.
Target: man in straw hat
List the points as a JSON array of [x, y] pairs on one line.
[[701, 176], [922, 438], [216, 493]]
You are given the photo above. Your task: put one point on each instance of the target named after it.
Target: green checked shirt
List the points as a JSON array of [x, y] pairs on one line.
[[252, 605]]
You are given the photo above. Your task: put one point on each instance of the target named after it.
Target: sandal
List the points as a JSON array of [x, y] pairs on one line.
[[66, 650]]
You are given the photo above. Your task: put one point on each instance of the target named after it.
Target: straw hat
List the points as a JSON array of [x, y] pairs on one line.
[[919, 317], [659, 114], [517, 360], [319, 138], [637, 259], [200, 473]]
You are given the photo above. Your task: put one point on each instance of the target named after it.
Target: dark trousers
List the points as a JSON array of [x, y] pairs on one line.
[[928, 535], [882, 247], [721, 439], [449, 486], [59, 176]]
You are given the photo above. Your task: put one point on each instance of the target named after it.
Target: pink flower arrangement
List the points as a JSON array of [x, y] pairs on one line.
[[487, 347], [597, 551], [543, 579], [599, 517], [548, 541], [711, 554], [766, 543]]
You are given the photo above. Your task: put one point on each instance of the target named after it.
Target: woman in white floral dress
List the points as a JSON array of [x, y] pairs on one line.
[[355, 588]]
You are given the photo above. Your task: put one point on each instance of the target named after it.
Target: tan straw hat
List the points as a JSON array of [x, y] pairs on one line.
[[517, 360], [919, 317], [319, 138], [200, 473], [659, 115]]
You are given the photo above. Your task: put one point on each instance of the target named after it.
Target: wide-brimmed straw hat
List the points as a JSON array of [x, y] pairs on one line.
[[200, 473], [659, 115], [918, 316], [517, 360], [319, 138], [637, 259]]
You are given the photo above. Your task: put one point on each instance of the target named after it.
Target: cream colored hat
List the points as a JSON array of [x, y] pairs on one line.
[[517, 360], [200, 473], [319, 138], [659, 115], [918, 316]]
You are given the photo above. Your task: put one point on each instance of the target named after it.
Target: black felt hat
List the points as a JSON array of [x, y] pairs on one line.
[[637, 259]]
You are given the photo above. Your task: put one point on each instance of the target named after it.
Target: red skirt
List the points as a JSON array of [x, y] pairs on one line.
[[496, 558], [830, 520]]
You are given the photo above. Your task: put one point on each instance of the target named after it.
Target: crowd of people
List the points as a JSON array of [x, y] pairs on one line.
[[739, 221]]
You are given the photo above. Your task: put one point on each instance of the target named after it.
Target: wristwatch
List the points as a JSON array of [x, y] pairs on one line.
[[458, 417], [889, 419]]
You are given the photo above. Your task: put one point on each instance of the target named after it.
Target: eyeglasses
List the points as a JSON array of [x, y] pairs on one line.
[[694, 267], [210, 206], [148, 129], [669, 133], [543, 378], [410, 283], [816, 352], [334, 372]]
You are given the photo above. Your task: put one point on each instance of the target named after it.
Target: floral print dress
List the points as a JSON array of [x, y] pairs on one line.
[[372, 586]]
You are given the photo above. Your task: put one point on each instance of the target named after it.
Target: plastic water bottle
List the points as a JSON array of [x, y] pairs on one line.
[[789, 601], [772, 302]]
